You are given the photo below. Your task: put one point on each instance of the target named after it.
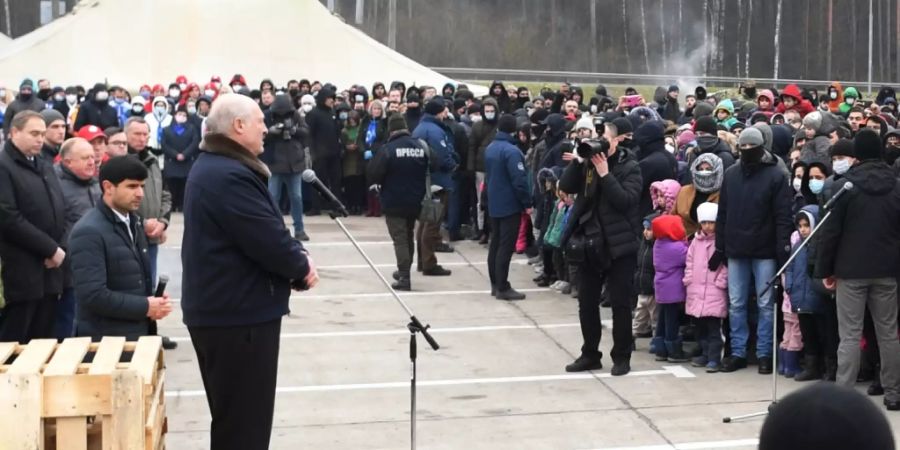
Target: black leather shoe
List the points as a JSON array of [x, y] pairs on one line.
[[402, 284], [436, 271], [765, 365], [620, 368], [734, 363], [444, 248], [545, 282], [584, 363], [169, 344], [396, 274], [875, 389], [510, 294], [892, 405]]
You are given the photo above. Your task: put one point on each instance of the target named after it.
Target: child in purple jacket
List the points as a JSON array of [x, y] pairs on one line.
[[707, 291], [669, 256]]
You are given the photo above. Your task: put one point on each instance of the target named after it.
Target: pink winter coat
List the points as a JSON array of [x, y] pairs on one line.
[[707, 292]]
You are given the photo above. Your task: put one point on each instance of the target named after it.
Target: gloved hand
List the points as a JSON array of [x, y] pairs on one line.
[[367, 155], [276, 128], [716, 260]]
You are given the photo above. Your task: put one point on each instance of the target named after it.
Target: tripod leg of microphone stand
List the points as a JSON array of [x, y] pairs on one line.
[[745, 416], [412, 388]]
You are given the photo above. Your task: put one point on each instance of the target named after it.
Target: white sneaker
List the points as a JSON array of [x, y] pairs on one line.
[[555, 285], [562, 286]]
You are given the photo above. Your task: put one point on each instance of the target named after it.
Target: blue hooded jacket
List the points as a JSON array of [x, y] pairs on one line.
[[440, 139], [507, 180]]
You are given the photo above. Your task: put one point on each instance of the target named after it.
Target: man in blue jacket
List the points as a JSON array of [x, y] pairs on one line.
[[435, 133], [240, 264], [507, 187]]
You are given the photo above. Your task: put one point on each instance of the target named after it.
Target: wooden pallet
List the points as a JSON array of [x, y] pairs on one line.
[[50, 399]]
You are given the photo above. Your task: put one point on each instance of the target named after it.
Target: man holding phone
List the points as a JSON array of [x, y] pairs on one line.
[[110, 263]]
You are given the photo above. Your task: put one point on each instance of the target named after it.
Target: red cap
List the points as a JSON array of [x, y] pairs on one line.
[[181, 79], [215, 79], [91, 132]]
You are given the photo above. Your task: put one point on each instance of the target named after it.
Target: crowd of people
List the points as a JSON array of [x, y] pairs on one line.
[[676, 212]]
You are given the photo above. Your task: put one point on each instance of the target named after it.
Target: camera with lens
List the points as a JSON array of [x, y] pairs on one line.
[[287, 128], [590, 147]]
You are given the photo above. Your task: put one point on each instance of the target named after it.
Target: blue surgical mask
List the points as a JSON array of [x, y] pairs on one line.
[[816, 186], [841, 166]]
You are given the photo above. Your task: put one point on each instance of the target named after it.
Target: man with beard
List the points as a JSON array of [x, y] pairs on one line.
[[753, 232], [25, 101], [96, 111]]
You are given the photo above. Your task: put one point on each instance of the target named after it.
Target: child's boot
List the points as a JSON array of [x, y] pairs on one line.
[[780, 364], [791, 363], [676, 352]]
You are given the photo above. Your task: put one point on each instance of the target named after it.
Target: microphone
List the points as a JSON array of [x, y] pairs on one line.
[[848, 186], [161, 286], [309, 176]]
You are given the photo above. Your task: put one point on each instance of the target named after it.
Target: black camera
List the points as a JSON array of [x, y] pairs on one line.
[[590, 147], [287, 129]]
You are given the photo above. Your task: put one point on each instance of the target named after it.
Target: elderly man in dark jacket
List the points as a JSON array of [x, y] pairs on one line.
[[602, 238], [31, 240], [81, 193], [96, 110], [325, 145], [753, 232], [859, 254], [285, 157], [401, 168], [240, 264], [110, 266], [656, 162], [507, 186]]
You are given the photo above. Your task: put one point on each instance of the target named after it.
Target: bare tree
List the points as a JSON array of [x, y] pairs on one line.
[[681, 25], [625, 33], [594, 43], [644, 39], [749, 31], [662, 29], [830, 21], [6, 15], [777, 39]]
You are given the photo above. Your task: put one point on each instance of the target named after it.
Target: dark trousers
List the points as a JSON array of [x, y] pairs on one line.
[[401, 230], [355, 192], [502, 247], [330, 171], [709, 335], [65, 315], [668, 321], [239, 368], [619, 280], [176, 188], [428, 236], [820, 333], [29, 319]]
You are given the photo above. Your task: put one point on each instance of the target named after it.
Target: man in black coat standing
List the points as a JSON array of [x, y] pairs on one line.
[[240, 264], [325, 145], [96, 110], [656, 162], [110, 266], [25, 101], [285, 157], [31, 238]]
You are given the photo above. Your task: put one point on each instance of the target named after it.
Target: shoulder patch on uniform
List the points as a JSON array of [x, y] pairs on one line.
[[521, 166]]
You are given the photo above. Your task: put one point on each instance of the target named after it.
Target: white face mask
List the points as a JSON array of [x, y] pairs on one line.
[[670, 148], [160, 110], [450, 116], [841, 166], [180, 119], [490, 115], [796, 184], [209, 93], [174, 93], [71, 98], [137, 109], [102, 96], [59, 98], [475, 119], [306, 107], [833, 95], [593, 109], [183, 86], [2, 92], [192, 110]]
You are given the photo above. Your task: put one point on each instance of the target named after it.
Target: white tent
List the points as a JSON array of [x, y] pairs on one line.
[[136, 42], [4, 40]]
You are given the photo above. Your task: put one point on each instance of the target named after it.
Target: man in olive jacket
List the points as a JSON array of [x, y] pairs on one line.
[[110, 266], [31, 238]]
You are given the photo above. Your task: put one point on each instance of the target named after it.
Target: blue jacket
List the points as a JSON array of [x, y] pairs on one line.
[[507, 180], [237, 255], [440, 139], [805, 298]]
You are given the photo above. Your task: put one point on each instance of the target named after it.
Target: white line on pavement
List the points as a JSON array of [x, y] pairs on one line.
[[432, 383], [403, 331], [520, 262], [313, 244], [709, 445], [388, 294]]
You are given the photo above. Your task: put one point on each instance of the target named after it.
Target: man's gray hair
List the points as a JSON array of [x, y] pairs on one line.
[[226, 109], [67, 146], [135, 119]]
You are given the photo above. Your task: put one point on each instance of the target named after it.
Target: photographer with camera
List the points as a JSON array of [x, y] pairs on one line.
[[601, 237], [283, 153]]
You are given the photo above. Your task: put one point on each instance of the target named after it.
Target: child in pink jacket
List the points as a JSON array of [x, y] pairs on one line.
[[707, 292]]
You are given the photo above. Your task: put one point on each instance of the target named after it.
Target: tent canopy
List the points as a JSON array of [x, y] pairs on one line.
[[277, 39]]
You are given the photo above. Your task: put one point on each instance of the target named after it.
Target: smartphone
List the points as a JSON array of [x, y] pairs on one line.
[[632, 100]]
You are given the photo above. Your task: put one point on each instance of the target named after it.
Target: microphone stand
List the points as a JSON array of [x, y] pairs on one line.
[[414, 326], [776, 280]]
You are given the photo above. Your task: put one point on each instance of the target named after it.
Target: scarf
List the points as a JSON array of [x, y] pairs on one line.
[[708, 182], [220, 144]]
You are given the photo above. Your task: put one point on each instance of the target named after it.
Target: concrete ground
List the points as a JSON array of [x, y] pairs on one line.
[[497, 381]]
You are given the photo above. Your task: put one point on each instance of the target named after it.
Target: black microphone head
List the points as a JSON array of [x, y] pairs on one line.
[[309, 176]]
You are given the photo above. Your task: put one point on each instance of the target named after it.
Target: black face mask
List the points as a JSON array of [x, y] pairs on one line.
[[752, 155], [44, 94], [25, 96], [891, 153], [294, 92]]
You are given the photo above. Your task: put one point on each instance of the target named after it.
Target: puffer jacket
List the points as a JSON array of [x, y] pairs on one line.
[[728, 106], [707, 292], [644, 274], [669, 257], [805, 299]]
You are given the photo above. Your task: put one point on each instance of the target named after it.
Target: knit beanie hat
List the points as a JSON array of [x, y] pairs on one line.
[[584, 122], [826, 416], [27, 83], [702, 109], [843, 147], [707, 212], [396, 123], [706, 124], [813, 120], [751, 136], [506, 123], [867, 145], [685, 138], [51, 115], [435, 106], [623, 125]]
